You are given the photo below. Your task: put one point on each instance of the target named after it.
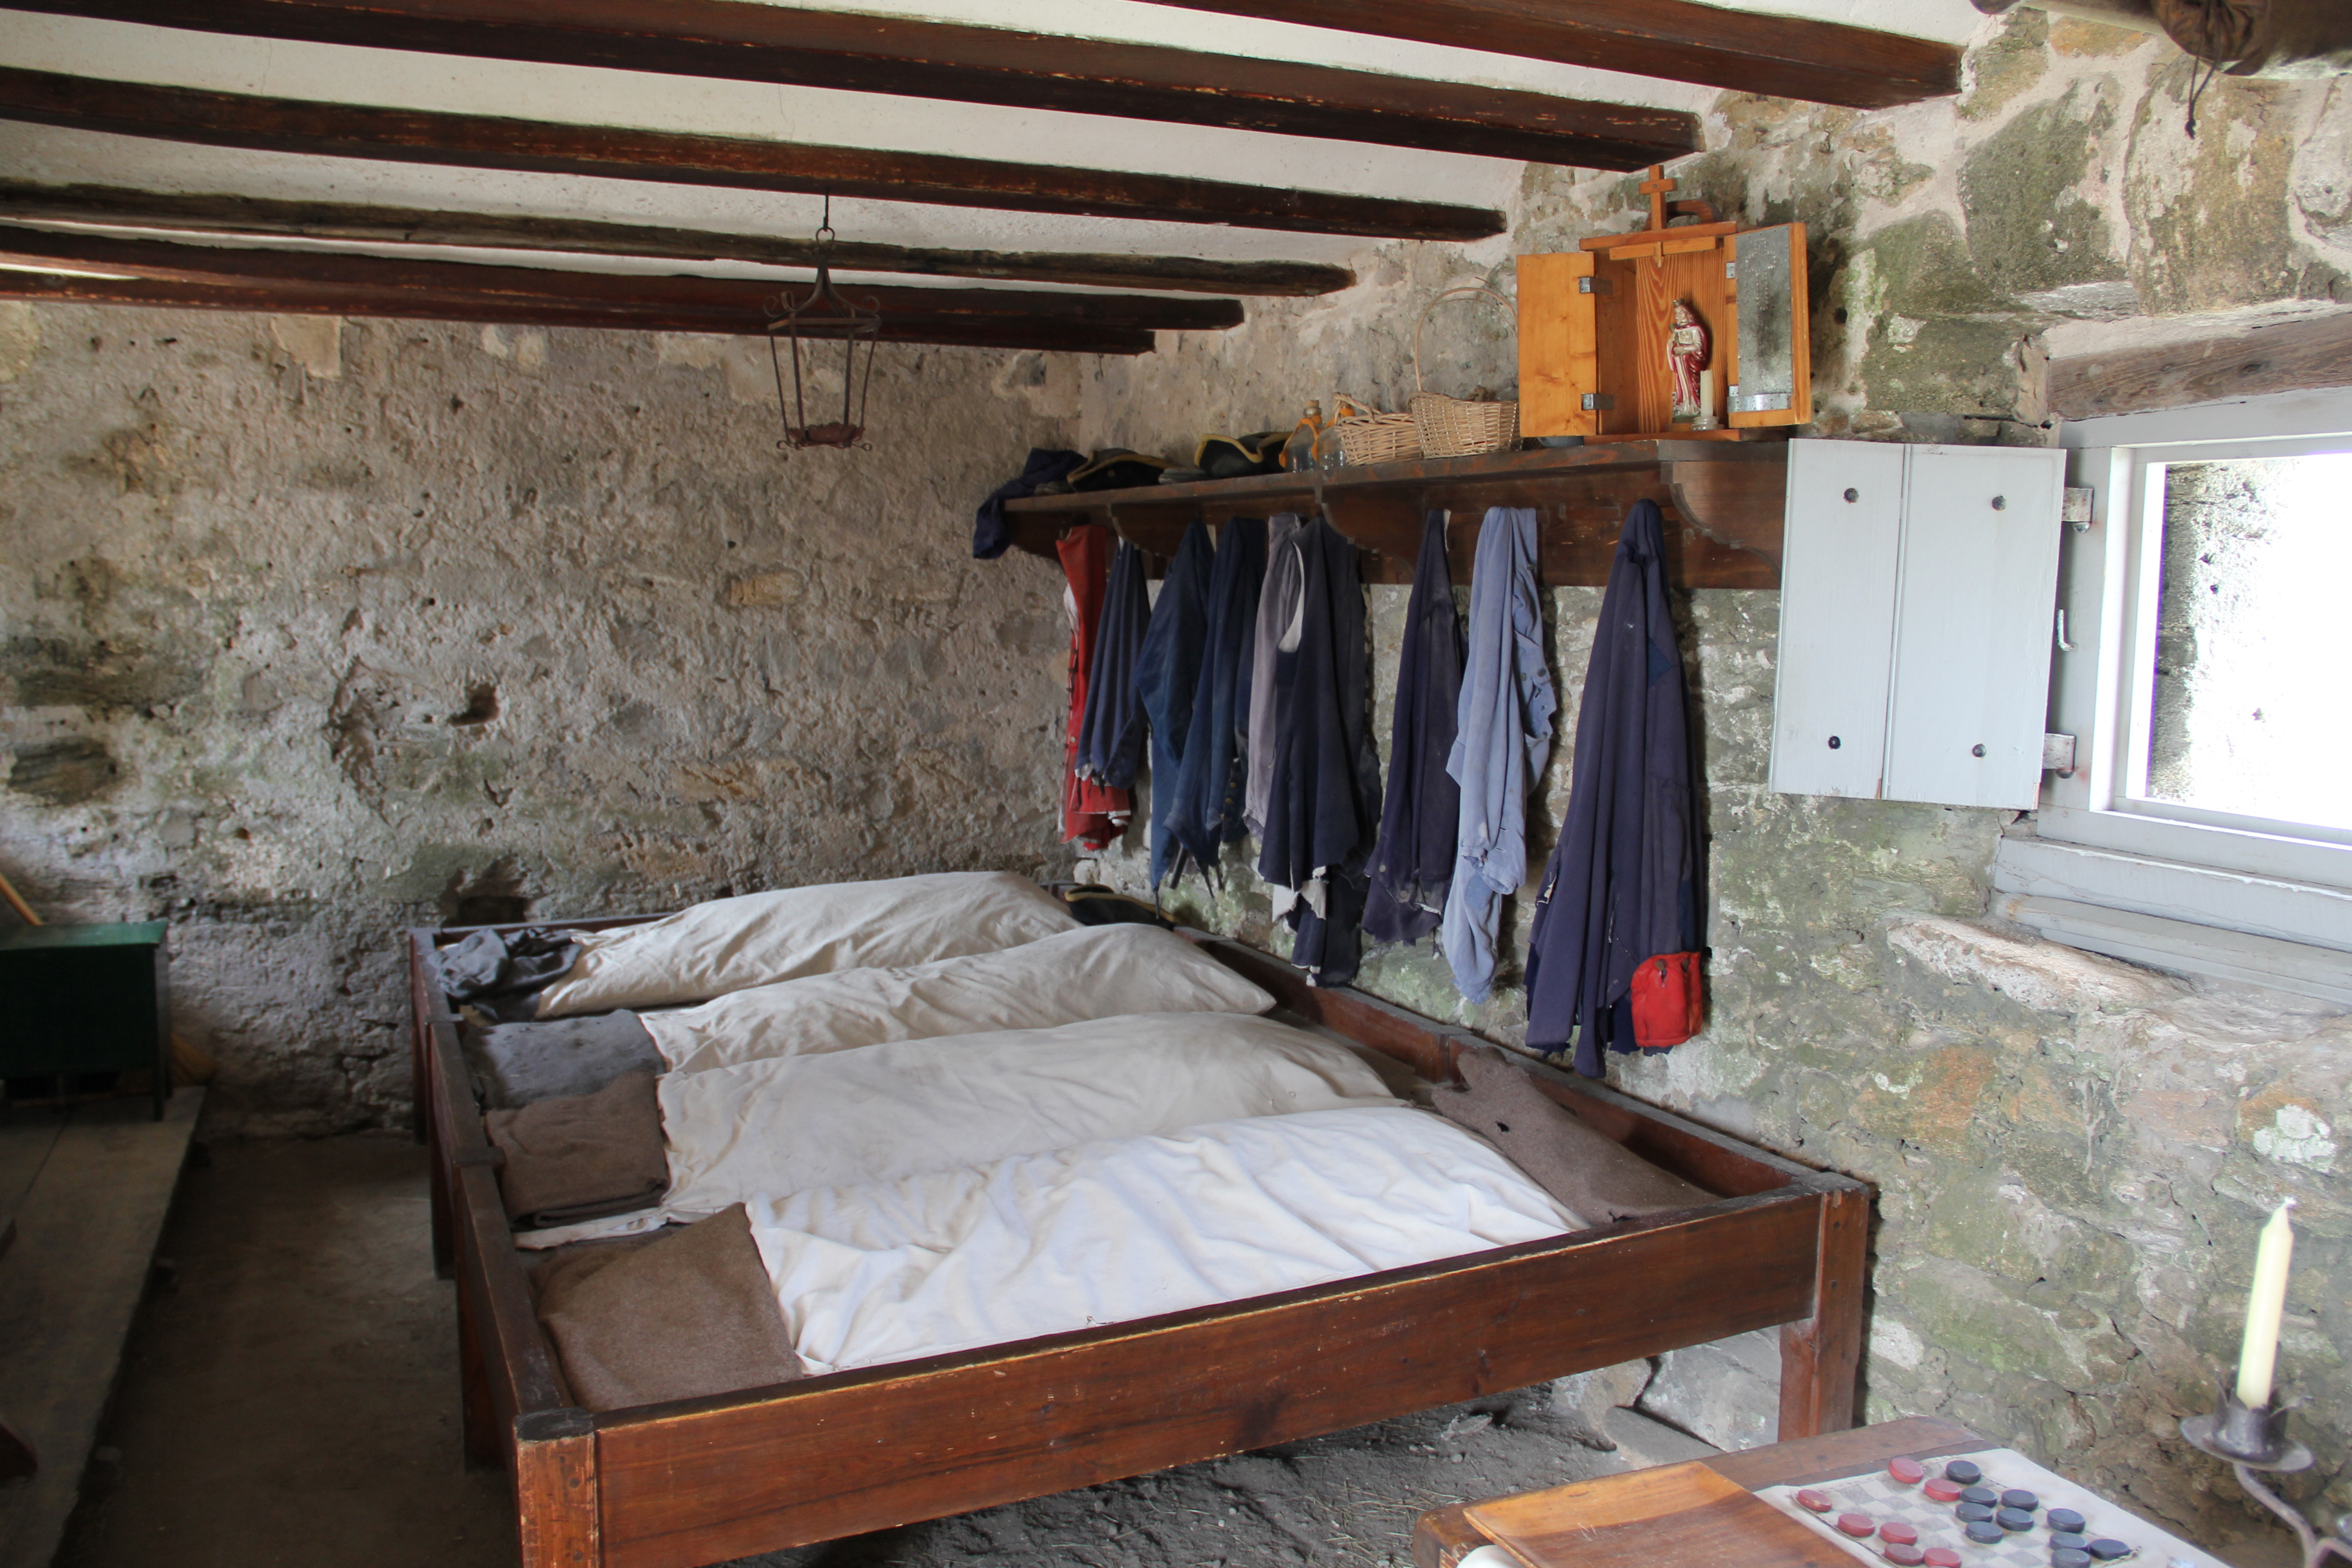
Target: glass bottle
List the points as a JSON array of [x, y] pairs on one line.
[[1299, 453]]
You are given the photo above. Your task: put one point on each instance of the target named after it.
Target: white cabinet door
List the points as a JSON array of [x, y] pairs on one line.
[[1972, 626], [1916, 592], [1837, 616]]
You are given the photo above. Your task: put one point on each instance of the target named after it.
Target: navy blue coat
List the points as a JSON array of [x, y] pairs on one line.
[[1206, 814], [1625, 880], [1420, 817], [1110, 731], [1326, 808], [1167, 674]]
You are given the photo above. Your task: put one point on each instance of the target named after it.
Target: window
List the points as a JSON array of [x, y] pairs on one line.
[[2203, 664]]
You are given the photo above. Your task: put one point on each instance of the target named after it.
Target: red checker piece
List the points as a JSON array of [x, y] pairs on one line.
[[1940, 1557], [1904, 1554], [1941, 1491], [1819, 1502], [1902, 1534], [1910, 1472], [1861, 1526]]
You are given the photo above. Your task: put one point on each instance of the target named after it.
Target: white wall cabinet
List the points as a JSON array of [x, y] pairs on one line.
[[1917, 591]]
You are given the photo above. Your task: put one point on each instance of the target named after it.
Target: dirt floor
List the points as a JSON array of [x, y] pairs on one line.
[[289, 1400]]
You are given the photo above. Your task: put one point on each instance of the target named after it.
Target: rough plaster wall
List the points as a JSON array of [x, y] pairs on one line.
[[316, 630], [2071, 1155]]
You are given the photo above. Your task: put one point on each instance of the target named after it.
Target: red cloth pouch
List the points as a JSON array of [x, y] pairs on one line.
[[1669, 1000]]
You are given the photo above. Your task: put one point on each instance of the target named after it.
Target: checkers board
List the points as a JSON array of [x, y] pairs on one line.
[[1878, 1497]]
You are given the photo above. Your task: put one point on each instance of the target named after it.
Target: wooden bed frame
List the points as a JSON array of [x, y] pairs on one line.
[[699, 1481]]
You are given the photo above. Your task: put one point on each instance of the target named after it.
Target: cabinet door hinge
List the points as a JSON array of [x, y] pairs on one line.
[[2077, 508], [2058, 754]]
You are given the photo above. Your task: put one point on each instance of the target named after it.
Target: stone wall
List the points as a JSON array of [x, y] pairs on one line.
[[2071, 1155], [314, 630]]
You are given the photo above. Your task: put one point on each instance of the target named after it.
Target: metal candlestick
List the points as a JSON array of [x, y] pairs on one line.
[[2254, 1438]]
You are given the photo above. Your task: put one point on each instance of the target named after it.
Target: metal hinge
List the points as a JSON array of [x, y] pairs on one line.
[[2077, 508], [1731, 269], [1595, 286], [2058, 754], [1598, 402]]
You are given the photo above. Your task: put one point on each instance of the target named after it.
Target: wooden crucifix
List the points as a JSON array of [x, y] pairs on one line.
[[1656, 187]]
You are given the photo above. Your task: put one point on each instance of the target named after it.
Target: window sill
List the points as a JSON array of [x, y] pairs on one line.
[[2282, 932]]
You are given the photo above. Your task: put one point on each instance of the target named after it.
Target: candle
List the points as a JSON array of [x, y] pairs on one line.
[[1707, 394], [2265, 1304]]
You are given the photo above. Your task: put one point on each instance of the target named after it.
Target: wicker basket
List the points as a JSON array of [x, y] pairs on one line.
[[1460, 427], [1366, 436]]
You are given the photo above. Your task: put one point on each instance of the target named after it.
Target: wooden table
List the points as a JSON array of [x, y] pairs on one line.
[[1442, 1536]]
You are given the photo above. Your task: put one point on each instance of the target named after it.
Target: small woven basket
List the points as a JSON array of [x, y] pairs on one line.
[[1367, 436], [1460, 427]]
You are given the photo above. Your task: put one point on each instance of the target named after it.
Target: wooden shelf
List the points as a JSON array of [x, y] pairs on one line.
[[1722, 501]]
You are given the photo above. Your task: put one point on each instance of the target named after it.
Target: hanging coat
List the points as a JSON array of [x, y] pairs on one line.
[[1626, 880], [1500, 745], [1091, 814], [1325, 807], [1207, 811], [1413, 860], [1277, 608], [1167, 673], [1110, 737]]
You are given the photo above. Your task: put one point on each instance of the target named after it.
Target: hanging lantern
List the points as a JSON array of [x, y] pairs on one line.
[[822, 318]]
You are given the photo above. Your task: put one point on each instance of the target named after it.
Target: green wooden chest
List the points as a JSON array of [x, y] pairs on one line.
[[86, 999]]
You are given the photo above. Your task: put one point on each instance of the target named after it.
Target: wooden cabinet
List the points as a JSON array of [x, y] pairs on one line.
[[1917, 591], [86, 999]]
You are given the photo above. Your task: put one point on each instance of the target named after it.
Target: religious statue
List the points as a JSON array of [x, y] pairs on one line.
[[1687, 355]]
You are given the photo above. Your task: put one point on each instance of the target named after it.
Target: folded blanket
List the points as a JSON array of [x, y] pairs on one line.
[[1091, 972], [582, 1155], [1588, 1171], [517, 1064], [687, 1313], [1133, 1228], [731, 944], [897, 1110]]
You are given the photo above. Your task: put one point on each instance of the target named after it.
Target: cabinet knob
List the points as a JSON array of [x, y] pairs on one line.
[[2001, 503], [1835, 742], [1976, 751], [1852, 495]]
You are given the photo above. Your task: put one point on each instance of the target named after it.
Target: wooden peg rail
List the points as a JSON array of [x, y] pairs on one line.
[[1722, 501]]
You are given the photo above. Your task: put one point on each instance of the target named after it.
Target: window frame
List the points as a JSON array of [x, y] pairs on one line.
[[2207, 892]]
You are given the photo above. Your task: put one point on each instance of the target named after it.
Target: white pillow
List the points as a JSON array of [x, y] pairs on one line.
[[914, 1106], [731, 944], [1095, 971]]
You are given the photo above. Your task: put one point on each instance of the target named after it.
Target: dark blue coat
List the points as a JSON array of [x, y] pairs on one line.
[[1167, 673], [1625, 880], [1420, 818], [1325, 810], [1110, 732], [1206, 814]]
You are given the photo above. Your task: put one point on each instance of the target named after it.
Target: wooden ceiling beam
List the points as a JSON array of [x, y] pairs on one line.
[[1746, 51], [491, 141], [264, 218], [906, 56], [619, 295], [283, 299]]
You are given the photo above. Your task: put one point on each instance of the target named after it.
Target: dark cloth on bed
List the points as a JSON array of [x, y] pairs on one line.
[[990, 533], [1421, 814], [583, 1156], [689, 1312], [1167, 675], [500, 974], [1624, 879], [1207, 811], [1110, 734], [1591, 1174], [1325, 809], [517, 1064]]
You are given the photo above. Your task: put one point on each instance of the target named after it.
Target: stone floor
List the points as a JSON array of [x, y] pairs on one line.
[[289, 1400]]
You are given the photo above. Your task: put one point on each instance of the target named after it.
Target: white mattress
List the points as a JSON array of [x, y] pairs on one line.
[[1113, 1231], [886, 1111], [1099, 971], [731, 944]]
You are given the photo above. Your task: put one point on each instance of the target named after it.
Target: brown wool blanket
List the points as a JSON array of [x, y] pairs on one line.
[[1591, 1174], [582, 1156]]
